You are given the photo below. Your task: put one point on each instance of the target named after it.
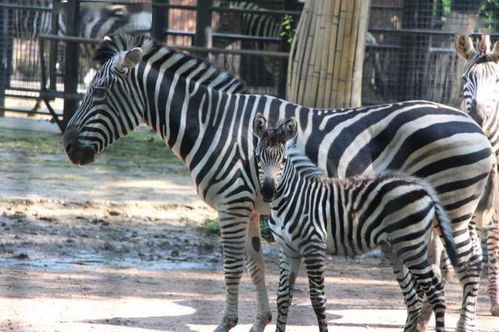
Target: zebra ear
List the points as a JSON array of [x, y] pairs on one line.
[[259, 125], [290, 128], [495, 50], [130, 59], [484, 44], [464, 46]]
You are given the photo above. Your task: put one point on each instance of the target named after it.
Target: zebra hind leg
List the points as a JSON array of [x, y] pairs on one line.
[[410, 291], [315, 265], [256, 268], [437, 257], [434, 290], [493, 268], [288, 270]]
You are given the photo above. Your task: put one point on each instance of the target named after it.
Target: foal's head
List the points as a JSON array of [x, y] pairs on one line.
[[271, 152]]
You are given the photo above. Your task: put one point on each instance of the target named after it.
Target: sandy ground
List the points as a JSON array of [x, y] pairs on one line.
[[122, 246]]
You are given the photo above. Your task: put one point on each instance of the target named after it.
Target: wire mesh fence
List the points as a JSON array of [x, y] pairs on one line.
[[409, 48]]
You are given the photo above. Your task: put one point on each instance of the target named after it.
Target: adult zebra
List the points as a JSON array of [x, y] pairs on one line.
[[193, 107], [481, 102]]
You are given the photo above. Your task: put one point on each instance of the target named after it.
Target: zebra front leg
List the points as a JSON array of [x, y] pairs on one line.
[[233, 228], [493, 268], [288, 271], [256, 269], [405, 279], [315, 264]]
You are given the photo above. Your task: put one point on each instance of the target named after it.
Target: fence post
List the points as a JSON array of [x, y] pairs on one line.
[[285, 47], [203, 21], [159, 22], [71, 61], [5, 57]]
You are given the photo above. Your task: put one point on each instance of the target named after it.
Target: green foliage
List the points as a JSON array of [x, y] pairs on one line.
[[212, 226], [265, 229], [489, 13], [287, 31]]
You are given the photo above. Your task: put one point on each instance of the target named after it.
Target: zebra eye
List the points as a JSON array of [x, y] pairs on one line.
[[99, 92]]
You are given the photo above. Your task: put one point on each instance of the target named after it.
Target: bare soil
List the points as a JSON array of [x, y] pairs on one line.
[[126, 245]]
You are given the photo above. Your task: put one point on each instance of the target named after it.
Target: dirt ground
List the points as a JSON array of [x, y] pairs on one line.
[[126, 245]]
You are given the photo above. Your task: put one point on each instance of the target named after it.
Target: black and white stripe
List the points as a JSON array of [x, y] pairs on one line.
[[195, 109], [481, 102], [313, 215]]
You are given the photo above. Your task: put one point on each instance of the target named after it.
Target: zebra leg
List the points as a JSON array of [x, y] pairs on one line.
[[431, 284], [435, 253], [315, 264], [493, 268], [233, 228], [469, 276], [409, 289], [256, 269], [287, 276]]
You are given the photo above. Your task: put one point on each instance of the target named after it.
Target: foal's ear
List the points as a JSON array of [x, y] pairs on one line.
[[259, 125], [495, 49], [290, 127], [130, 59], [484, 44], [464, 46]]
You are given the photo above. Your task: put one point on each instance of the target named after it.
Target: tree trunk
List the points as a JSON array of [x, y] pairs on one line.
[[327, 54]]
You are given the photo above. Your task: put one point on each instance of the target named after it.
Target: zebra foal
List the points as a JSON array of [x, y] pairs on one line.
[[313, 215]]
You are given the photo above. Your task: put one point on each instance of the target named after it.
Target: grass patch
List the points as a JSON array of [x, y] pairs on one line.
[[142, 148], [211, 226]]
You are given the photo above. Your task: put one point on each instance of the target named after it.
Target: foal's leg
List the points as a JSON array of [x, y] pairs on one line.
[[288, 271], [493, 261], [256, 269], [315, 263], [434, 290], [409, 288]]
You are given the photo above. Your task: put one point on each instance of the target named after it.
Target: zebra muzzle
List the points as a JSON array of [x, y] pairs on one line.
[[78, 152]]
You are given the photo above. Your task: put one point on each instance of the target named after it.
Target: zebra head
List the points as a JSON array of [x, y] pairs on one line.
[[481, 78], [271, 152], [112, 106]]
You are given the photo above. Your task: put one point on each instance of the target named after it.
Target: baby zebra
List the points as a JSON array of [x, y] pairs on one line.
[[313, 215]]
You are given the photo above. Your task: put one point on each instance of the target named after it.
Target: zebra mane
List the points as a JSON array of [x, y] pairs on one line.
[[114, 44], [478, 58]]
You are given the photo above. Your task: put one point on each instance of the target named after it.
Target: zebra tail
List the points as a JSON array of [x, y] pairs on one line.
[[446, 233]]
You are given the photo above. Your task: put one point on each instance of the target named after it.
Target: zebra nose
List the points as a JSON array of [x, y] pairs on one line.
[[473, 106], [78, 153], [268, 190]]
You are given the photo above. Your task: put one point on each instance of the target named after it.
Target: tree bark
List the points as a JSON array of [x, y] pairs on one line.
[[327, 54]]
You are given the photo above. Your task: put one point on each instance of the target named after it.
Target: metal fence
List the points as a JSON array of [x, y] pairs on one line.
[[409, 50]]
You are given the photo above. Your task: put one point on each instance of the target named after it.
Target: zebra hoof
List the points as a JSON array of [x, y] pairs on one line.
[[226, 325], [494, 310], [261, 322]]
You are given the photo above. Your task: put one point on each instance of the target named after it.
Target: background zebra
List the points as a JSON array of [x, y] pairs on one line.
[[252, 24], [313, 215], [481, 102], [96, 21], [193, 107]]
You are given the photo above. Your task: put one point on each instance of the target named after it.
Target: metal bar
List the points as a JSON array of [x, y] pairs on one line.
[[422, 32], [13, 110], [203, 22], [215, 50], [271, 12], [71, 58], [25, 7], [220, 35], [4, 56], [159, 22]]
